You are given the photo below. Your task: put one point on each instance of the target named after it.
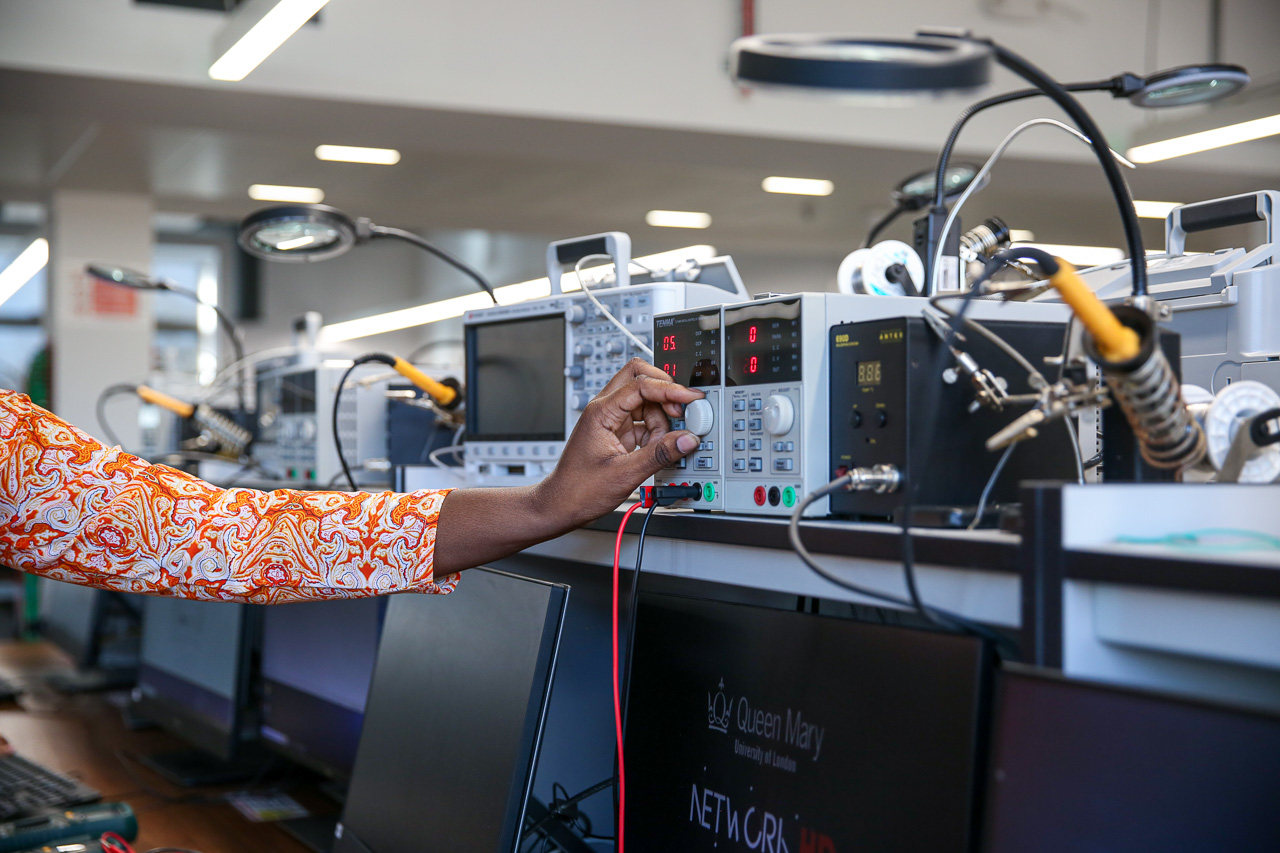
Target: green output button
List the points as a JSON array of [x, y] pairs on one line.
[[788, 496], [708, 491]]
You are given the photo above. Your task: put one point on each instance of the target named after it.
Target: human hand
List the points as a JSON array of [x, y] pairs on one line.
[[622, 439]]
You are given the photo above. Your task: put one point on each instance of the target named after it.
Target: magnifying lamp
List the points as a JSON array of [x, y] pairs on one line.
[[302, 233], [945, 61], [141, 281], [917, 191]]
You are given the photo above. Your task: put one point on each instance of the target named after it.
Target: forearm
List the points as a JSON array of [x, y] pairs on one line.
[[73, 510], [478, 526]]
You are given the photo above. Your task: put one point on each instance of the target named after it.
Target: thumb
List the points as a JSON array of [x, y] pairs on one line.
[[653, 457]]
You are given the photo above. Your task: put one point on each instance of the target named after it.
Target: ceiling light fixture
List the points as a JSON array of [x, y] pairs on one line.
[[677, 219], [253, 33], [297, 195], [510, 294], [1155, 209], [1205, 140], [24, 267], [797, 186], [356, 154]]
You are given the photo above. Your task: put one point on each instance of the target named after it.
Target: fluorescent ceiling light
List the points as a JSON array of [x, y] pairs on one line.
[[26, 265], [677, 219], [1155, 209], [1016, 236], [1193, 143], [354, 154], [271, 30], [300, 195], [1081, 256], [507, 295], [797, 186]]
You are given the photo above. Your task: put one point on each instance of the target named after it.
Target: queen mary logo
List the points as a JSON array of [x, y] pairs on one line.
[[718, 710]]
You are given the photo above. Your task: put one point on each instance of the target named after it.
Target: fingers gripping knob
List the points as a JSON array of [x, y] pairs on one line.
[[699, 418]]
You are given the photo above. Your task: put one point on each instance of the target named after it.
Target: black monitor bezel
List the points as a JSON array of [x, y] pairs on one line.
[[1030, 672], [983, 695], [348, 840]]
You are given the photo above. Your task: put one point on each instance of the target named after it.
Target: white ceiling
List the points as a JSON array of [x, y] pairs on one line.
[[505, 126]]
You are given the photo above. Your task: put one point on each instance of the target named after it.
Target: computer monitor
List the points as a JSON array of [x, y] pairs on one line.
[[317, 662], [1078, 766], [69, 617], [752, 728], [194, 676], [454, 718], [97, 628]]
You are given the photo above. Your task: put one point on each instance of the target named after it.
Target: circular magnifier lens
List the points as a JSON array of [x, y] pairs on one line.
[[1190, 84], [921, 66], [297, 233], [918, 189]]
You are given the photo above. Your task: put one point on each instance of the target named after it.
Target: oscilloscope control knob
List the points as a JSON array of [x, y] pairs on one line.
[[576, 314], [583, 350], [574, 371], [614, 347], [699, 417], [580, 401], [779, 415]]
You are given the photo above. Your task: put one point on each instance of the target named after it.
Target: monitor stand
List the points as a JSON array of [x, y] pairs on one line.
[[316, 831], [194, 768], [92, 680]]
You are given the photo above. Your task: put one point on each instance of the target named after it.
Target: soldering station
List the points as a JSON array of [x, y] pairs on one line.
[[977, 549]]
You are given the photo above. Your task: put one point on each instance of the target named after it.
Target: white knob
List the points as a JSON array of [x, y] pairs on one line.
[[779, 415], [580, 401], [699, 417], [575, 314], [583, 350], [613, 347]]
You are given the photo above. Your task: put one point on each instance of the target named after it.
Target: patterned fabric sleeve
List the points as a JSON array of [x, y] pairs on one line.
[[73, 510]]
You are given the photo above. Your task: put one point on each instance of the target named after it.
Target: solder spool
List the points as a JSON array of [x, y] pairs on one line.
[[880, 270], [1233, 408], [1148, 392]]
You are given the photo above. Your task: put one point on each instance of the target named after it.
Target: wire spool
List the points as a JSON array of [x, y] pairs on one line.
[[1232, 408], [889, 268]]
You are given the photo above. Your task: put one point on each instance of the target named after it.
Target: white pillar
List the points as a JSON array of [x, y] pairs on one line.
[[99, 334]]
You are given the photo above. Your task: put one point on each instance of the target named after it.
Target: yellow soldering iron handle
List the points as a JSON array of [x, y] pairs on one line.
[[441, 393], [164, 401], [1115, 341]]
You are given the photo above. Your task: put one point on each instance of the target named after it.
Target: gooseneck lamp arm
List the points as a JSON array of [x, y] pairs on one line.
[[1119, 188], [376, 231], [944, 156], [138, 281]]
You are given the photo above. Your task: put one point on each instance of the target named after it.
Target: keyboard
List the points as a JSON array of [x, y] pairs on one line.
[[27, 788]]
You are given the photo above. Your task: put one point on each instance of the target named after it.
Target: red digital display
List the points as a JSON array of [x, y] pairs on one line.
[[764, 346], [690, 347]]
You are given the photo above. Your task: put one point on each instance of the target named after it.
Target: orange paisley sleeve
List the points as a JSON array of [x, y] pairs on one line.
[[73, 510]]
